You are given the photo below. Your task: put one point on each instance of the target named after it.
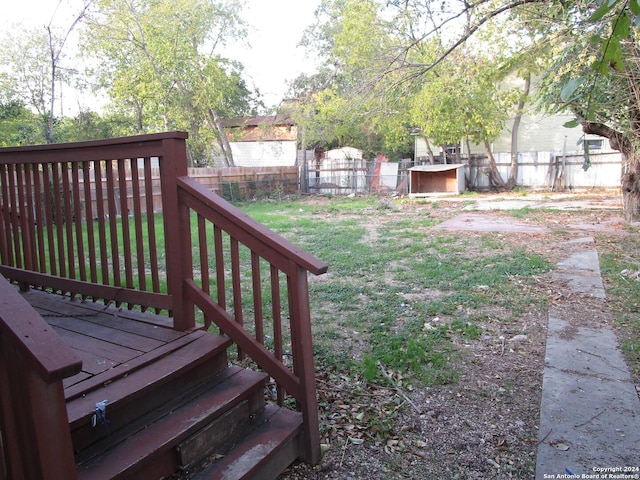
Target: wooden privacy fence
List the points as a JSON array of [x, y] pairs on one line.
[[143, 182], [243, 183]]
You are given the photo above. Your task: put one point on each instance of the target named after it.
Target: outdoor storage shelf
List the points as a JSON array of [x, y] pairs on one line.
[[426, 179]]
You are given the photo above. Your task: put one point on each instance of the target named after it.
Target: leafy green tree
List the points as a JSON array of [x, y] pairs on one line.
[[157, 61], [462, 99], [587, 53], [28, 75], [376, 94], [88, 125], [18, 126], [344, 104], [595, 75], [35, 64]]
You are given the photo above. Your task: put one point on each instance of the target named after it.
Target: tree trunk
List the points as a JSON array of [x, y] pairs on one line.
[[432, 159], [495, 179], [630, 183], [223, 140], [52, 86], [631, 188], [304, 171], [468, 142], [513, 174], [445, 154]]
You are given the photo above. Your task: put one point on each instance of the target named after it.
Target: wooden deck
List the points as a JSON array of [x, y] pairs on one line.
[[111, 341], [63, 229]]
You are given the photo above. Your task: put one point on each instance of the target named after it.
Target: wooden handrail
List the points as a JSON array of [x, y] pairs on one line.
[[271, 246], [281, 256], [49, 356], [149, 145], [71, 219], [239, 336], [33, 415]]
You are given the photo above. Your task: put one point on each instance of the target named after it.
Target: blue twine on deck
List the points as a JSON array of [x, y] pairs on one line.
[[100, 415]]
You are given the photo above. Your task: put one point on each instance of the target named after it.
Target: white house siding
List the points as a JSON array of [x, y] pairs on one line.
[[536, 133], [540, 133], [264, 154], [420, 147]]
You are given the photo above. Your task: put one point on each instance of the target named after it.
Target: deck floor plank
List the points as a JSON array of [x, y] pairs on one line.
[[101, 348], [120, 319], [101, 332], [94, 364], [112, 342]]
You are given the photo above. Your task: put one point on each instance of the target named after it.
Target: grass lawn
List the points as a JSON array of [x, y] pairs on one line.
[[397, 293], [415, 328]]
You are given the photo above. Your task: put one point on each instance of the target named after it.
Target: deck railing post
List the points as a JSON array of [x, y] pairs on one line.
[[177, 234], [302, 350], [36, 439], [39, 442]]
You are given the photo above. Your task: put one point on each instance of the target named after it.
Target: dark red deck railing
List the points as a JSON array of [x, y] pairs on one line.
[[34, 427], [78, 219]]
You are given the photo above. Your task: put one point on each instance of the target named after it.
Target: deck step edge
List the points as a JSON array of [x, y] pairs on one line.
[[155, 440], [167, 367], [264, 453]]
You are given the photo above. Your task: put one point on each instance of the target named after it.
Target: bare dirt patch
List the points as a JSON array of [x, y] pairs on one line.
[[485, 424]]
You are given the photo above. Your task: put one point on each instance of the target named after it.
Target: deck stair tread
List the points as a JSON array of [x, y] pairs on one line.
[[176, 408], [134, 381], [264, 453], [134, 394], [156, 442], [204, 340]]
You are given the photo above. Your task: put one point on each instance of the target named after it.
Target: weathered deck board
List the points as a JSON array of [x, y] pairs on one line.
[[111, 341], [108, 350], [109, 316], [102, 332]]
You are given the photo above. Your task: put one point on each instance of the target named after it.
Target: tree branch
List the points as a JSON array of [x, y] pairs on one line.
[[471, 31], [617, 140]]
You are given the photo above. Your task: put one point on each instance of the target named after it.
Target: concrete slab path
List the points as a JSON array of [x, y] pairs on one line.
[[590, 410]]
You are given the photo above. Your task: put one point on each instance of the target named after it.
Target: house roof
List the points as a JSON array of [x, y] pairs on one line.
[[261, 120], [278, 128], [436, 168]]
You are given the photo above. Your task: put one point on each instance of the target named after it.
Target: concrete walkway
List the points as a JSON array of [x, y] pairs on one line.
[[590, 410]]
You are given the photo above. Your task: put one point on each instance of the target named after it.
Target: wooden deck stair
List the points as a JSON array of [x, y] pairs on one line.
[[177, 410], [160, 424]]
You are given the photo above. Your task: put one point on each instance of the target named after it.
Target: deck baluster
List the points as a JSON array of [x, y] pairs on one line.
[[88, 218]]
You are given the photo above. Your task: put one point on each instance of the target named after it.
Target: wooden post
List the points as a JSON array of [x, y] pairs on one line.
[[36, 439], [302, 349], [177, 231]]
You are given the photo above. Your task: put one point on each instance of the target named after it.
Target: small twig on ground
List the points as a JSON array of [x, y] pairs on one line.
[[398, 389], [545, 437], [592, 418], [344, 451]]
